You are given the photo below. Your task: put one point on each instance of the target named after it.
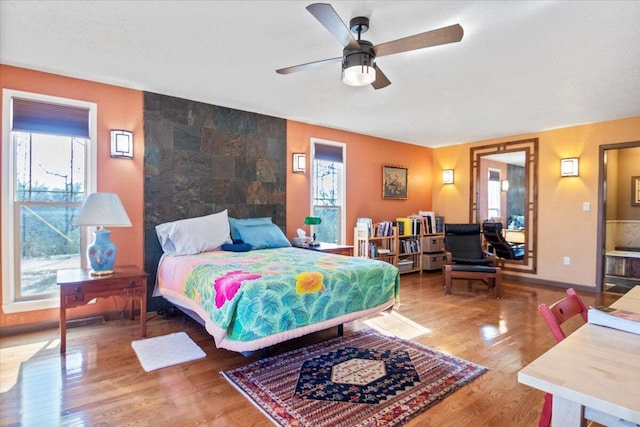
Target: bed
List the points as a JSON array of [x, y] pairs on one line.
[[251, 289], [251, 300]]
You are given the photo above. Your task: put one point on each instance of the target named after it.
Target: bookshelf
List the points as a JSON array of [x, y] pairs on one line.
[[402, 243], [410, 253], [379, 242]]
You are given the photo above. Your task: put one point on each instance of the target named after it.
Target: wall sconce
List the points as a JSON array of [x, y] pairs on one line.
[[569, 167], [447, 176], [121, 144], [299, 163], [504, 185]]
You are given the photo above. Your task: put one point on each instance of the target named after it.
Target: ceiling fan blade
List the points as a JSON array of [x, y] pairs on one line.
[[381, 80], [328, 17], [308, 65], [450, 34]]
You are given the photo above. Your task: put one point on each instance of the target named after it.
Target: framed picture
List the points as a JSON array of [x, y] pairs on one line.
[[394, 182], [635, 191]]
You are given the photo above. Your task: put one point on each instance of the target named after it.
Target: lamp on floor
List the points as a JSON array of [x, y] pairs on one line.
[[100, 210]]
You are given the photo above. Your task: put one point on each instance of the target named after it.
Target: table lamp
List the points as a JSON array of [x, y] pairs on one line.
[[102, 209], [311, 221]]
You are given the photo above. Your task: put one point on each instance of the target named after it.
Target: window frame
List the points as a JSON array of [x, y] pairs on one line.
[[342, 207], [494, 192], [10, 264]]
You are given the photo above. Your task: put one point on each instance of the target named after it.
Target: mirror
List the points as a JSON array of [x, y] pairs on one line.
[[504, 188]]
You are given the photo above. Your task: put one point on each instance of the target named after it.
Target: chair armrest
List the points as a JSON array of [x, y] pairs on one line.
[[490, 255]]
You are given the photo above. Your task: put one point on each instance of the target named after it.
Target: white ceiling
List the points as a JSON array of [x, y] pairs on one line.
[[522, 66]]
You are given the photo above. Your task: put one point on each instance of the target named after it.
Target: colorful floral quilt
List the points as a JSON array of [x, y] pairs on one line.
[[248, 299]]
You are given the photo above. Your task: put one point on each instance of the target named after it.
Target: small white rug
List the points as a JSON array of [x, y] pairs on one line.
[[167, 350]]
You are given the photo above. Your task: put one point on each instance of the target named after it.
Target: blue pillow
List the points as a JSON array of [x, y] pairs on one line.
[[236, 247], [263, 236], [233, 222]]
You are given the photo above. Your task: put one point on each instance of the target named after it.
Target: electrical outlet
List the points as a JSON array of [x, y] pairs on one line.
[[567, 260]]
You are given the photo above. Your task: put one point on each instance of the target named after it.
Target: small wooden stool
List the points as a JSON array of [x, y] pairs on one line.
[[474, 272]]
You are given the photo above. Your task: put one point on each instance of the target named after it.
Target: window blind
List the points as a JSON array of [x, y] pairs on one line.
[[329, 153], [494, 175], [52, 119]]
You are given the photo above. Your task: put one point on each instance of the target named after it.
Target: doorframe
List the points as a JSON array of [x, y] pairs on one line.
[[602, 208]]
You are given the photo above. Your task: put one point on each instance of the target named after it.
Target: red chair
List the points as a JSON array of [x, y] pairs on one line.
[[555, 315]]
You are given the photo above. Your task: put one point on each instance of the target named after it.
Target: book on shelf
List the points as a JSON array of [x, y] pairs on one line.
[[365, 223], [410, 246], [383, 229], [628, 321], [429, 221], [373, 250], [404, 226], [416, 224]]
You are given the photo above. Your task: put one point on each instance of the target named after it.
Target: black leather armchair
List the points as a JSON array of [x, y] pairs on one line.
[[498, 245], [466, 258], [464, 243]]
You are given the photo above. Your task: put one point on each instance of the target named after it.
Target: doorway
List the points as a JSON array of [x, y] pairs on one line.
[[618, 268]]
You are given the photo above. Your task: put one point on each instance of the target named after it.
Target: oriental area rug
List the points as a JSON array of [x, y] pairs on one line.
[[362, 379]]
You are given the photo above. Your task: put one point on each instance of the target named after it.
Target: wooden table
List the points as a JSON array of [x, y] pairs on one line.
[[514, 236], [331, 248], [78, 287], [594, 367]]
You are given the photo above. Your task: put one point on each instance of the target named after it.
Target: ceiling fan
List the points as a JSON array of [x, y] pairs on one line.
[[359, 65]]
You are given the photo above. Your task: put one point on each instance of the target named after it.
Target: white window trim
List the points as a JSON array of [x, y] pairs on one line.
[[499, 208], [9, 261], [343, 205]]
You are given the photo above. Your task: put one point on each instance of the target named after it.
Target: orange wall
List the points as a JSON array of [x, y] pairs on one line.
[[564, 229], [118, 108], [365, 157]]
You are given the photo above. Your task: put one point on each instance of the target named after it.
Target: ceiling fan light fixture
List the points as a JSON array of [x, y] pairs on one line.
[[359, 75], [358, 67]]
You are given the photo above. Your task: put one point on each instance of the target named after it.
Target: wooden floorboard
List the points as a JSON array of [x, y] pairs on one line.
[[101, 383]]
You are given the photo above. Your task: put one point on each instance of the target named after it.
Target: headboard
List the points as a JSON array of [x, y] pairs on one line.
[[201, 159]]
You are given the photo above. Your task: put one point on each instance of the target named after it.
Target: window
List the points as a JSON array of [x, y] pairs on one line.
[[493, 194], [48, 168], [328, 189]]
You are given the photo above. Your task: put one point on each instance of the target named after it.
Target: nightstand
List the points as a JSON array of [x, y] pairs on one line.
[[331, 248], [78, 287]]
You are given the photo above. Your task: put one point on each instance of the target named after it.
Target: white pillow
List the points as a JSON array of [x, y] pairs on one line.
[[194, 235]]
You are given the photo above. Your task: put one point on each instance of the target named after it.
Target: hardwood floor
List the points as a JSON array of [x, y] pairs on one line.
[[101, 383]]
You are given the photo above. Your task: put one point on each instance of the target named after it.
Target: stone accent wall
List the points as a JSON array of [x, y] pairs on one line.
[[201, 159]]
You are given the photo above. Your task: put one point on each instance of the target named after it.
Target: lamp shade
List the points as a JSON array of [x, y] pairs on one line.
[[312, 220], [358, 65], [103, 209]]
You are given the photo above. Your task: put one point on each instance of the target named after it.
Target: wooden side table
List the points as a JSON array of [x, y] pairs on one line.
[[78, 287], [331, 248]]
